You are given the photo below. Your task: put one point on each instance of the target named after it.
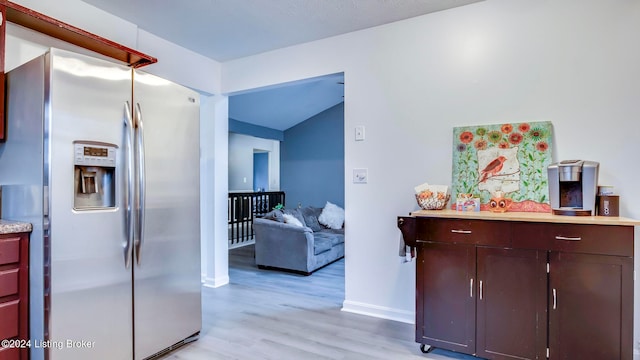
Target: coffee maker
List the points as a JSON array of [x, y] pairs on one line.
[[573, 186]]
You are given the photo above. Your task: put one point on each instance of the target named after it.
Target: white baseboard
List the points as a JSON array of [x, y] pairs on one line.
[[379, 311], [215, 282]]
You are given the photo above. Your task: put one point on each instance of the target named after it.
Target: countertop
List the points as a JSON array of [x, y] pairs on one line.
[[12, 227], [527, 216]]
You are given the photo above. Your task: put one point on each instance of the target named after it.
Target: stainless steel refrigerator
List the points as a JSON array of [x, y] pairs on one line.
[[103, 160]]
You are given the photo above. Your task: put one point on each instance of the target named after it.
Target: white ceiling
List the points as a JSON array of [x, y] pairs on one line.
[[229, 29]]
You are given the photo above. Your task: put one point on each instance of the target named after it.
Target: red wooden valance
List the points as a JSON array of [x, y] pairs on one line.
[[33, 20]]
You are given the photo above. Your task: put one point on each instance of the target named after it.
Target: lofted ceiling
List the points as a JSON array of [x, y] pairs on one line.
[[224, 30], [283, 106]]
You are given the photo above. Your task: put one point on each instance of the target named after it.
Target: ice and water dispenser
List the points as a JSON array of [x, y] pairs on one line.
[[94, 175]]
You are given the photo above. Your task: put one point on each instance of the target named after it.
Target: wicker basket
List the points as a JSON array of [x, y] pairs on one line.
[[432, 202]]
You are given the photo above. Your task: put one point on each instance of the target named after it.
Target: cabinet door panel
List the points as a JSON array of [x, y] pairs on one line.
[[590, 307], [511, 303], [445, 296]]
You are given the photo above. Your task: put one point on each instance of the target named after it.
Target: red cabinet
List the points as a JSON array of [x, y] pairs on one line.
[[14, 295]]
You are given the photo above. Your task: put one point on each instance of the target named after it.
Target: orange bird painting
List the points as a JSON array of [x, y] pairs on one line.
[[492, 168]]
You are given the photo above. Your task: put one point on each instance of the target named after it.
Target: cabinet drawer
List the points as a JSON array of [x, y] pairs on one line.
[[478, 232], [11, 353], [9, 282], [588, 239], [9, 314], [9, 250]]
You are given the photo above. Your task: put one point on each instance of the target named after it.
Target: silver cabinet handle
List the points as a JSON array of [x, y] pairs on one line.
[[129, 190], [141, 182], [480, 289], [568, 238], [555, 299], [461, 231], [471, 288]]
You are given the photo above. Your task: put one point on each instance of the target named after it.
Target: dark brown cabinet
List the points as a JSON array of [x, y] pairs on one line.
[[511, 304], [513, 289], [14, 296], [446, 297], [590, 310]]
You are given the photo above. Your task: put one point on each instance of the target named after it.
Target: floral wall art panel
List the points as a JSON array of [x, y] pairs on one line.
[[508, 158]]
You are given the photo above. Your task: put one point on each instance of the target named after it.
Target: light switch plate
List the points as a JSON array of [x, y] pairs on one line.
[[360, 176], [359, 133]]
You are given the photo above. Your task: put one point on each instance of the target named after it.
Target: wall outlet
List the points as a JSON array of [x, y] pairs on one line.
[[360, 176]]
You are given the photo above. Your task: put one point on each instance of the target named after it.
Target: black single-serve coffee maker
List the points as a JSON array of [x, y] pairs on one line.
[[573, 185]]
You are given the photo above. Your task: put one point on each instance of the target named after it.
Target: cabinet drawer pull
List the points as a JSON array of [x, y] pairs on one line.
[[471, 288], [568, 238], [555, 299], [461, 231], [421, 241], [480, 289]]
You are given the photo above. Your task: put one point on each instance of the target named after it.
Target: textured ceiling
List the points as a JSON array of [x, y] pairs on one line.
[[229, 29]]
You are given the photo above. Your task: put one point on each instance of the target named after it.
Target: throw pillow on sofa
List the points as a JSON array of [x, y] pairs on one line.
[[310, 215], [290, 219], [297, 214], [332, 216], [275, 215]]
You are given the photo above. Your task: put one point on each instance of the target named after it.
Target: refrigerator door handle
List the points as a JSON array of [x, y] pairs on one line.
[[129, 186], [141, 182]]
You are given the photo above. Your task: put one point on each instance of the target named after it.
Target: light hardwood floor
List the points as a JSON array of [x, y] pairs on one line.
[[266, 314]]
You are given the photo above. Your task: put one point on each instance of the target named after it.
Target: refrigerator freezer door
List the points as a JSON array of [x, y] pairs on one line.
[[167, 305], [91, 292]]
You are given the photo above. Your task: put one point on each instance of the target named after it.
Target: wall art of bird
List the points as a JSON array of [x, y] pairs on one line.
[[492, 168]]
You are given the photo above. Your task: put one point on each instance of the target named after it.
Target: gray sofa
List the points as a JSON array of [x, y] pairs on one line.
[[281, 245]]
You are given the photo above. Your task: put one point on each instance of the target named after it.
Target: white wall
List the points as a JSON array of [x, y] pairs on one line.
[[214, 191], [571, 62], [241, 161]]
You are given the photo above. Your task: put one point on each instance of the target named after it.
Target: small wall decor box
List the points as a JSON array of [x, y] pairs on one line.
[[511, 158], [467, 202]]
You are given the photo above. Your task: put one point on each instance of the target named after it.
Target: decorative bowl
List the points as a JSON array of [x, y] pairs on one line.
[[432, 201]]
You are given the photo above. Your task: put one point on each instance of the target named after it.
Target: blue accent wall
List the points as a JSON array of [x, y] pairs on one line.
[[312, 160], [244, 128]]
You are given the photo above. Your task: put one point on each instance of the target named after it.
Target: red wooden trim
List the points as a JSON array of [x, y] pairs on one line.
[[33, 20], [24, 293], [3, 18], [2, 37]]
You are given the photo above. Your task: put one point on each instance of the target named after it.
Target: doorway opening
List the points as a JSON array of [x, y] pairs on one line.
[[306, 119], [260, 170]]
